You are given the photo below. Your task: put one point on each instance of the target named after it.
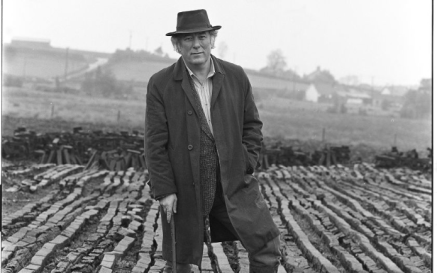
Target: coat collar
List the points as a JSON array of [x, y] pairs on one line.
[[180, 73], [179, 69]]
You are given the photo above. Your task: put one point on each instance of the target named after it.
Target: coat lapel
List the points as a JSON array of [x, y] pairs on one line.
[[186, 86], [195, 103], [217, 80], [180, 74]]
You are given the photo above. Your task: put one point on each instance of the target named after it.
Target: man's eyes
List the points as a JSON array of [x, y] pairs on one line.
[[190, 38]]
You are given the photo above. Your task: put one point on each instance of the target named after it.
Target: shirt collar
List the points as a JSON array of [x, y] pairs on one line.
[[211, 69]]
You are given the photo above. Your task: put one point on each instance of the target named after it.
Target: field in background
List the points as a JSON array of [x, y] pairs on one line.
[[306, 120], [23, 62], [41, 67], [283, 118], [142, 71], [136, 71], [264, 86]]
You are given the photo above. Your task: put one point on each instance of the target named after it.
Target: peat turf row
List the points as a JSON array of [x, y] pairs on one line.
[[107, 238], [400, 247], [316, 237], [420, 196], [22, 217], [382, 200], [29, 212], [386, 239], [404, 177], [293, 260], [148, 245], [402, 219], [35, 242], [34, 216], [394, 211], [354, 240], [31, 170], [370, 189], [132, 252], [386, 182], [63, 227], [54, 175]]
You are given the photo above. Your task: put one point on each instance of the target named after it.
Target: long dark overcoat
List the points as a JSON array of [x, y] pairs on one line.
[[172, 152]]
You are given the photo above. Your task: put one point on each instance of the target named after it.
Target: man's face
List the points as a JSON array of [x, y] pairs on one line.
[[195, 48]]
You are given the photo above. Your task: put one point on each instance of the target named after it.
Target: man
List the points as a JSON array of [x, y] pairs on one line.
[[203, 137]]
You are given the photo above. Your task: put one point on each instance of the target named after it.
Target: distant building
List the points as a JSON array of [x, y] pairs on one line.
[[355, 96], [31, 43], [321, 92], [394, 90], [320, 76]]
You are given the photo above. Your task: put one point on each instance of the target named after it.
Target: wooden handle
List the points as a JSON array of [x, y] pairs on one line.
[[173, 243]]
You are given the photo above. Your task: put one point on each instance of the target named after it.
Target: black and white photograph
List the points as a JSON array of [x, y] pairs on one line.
[[245, 136]]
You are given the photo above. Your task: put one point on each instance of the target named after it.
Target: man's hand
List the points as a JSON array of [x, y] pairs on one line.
[[169, 204]]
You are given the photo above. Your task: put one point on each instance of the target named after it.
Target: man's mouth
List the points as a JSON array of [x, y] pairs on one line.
[[196, 53]]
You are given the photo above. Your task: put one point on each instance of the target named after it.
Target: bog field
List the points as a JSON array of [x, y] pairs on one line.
[[61, 216], [337, 219], [283, 118]]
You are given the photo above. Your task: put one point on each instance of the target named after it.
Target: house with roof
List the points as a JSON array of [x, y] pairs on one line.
[[394, 90], [322, 92], [355, 96], [354, 99], [320, 76]]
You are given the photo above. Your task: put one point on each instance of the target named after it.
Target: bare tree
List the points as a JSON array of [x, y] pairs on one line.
[[276, 64], [276, 61]]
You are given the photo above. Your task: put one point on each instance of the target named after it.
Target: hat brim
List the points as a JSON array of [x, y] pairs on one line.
[[195, 30]]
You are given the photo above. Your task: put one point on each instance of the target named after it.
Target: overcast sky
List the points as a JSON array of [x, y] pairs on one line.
[[388, 41]]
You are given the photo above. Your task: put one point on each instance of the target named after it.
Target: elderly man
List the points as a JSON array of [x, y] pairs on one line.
[[203, 137]]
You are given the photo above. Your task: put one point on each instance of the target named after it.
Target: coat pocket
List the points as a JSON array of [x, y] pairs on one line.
[[251, 189]]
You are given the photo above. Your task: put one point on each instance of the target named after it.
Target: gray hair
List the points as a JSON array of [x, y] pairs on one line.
[[175, 40]]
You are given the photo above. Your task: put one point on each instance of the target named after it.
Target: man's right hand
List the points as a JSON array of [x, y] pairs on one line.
[[169, 204]]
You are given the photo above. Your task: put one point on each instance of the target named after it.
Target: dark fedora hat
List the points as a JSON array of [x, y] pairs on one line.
[[192, 21]]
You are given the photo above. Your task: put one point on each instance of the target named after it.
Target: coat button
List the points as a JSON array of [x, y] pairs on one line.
[[190, 112], [190, 147]]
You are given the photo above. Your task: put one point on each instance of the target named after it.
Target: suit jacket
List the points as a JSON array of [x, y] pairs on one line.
[[172, 142]]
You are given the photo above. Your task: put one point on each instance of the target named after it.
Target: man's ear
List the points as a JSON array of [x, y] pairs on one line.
[[212, 41]]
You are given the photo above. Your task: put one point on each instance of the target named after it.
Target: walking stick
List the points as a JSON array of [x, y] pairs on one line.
[[173, 243]]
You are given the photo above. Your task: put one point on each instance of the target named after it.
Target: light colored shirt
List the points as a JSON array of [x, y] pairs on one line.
[[205, 92]]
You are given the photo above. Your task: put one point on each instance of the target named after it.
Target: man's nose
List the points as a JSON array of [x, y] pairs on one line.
[[196, 42]]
